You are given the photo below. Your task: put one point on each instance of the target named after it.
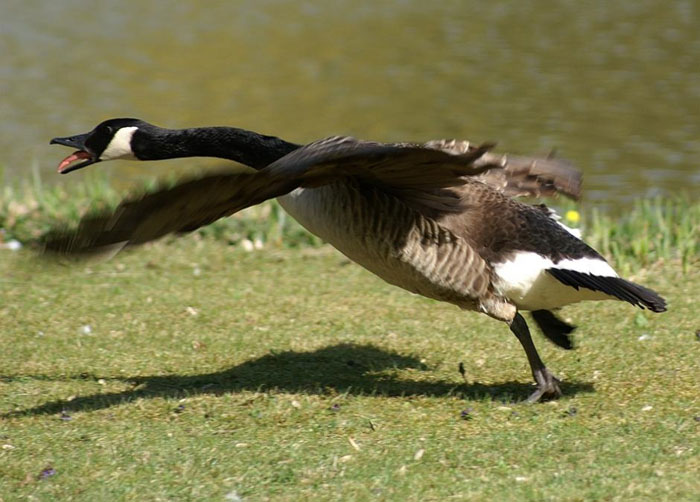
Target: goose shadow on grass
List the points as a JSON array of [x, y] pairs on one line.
[[342, 368]]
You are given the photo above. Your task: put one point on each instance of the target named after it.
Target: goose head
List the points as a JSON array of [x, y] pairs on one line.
[[111, 139]]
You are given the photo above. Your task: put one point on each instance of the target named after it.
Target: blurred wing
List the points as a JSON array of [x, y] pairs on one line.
[[521, 176], [180, 208], [535, 177]]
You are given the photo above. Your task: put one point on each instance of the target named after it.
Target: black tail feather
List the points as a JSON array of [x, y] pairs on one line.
[[554, 328], [614, 286]]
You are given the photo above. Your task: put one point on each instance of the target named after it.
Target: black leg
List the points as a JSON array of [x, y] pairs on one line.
[[547, 384]]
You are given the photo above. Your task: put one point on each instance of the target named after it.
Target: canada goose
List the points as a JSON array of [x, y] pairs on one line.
[[434, 219]]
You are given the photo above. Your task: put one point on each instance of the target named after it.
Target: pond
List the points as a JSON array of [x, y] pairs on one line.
[[612, 86]]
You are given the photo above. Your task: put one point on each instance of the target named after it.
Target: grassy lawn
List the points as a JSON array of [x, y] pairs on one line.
[[196, 371]]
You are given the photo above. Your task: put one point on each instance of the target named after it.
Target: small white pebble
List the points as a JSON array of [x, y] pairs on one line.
[[233, 496], [258, 244], [101, 381], [196, 271], [419, 454], [648, 407], [13, 245], [8, 447], [645, 336], [520, 479], [39, 333], [296, 404], [241, 445], [86, 330], [191, 311], [247, 245]]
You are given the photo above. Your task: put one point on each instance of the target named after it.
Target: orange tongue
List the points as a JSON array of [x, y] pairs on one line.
[[79, 155]]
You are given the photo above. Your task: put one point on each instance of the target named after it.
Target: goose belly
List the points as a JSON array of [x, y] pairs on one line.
[[336, 217], [324, 213], [369, 228]]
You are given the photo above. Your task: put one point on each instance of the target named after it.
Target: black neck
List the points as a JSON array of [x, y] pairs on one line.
[[247, 147]]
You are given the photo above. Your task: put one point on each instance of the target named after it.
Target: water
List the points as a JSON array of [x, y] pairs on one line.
[[613, 86]]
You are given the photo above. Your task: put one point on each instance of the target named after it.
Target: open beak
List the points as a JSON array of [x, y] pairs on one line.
[[68, 164]]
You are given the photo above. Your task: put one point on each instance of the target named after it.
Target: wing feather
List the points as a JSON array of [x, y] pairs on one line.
[[181, 208]]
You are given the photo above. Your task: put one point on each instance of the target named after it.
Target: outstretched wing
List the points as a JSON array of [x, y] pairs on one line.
[[193, 203], [180, 208], [421, 174], [401, 166]]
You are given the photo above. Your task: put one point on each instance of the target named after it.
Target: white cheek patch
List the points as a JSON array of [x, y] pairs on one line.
[[120, 145]]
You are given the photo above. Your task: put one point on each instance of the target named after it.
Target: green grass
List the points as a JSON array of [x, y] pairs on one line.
[[208, 372], [654, 230], [192, 370]]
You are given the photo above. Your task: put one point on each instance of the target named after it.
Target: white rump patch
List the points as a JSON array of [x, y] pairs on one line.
[[524, 281], [593, 266], [120, 145]]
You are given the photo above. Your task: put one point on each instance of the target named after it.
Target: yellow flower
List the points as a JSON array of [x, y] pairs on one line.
[[573, 216]]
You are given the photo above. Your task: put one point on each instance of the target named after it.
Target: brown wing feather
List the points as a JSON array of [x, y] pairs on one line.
[[396, 165], [180, 208], [534, 177], [519, 175]]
